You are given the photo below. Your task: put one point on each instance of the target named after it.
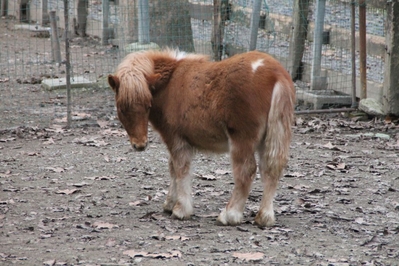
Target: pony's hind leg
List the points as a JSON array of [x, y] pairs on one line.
[[179, 200], [171, 197], [270, 178], [265, 215], [244, 170]]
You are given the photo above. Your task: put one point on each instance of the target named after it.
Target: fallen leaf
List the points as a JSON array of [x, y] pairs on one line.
[[249, 256], [102, 124], [171, 254], [206, 177], [7, 140], [110, 242], [49, 263], [294, 174], [103, 225], [182, 238], [100, 177], [330, 146], [82, 184], [133, 253], [337, 166], [55, 169], [138, 203], [209, 215], [67, 191], [55, 129], [90, 142], [359, 220], [80, 116], [115, 132], [49, 141], [120, 159], [298, 187], [222, 172]]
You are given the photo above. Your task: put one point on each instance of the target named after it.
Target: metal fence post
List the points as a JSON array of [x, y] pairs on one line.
[[105, 32], [318, 82], [144, 22], [257, 4]]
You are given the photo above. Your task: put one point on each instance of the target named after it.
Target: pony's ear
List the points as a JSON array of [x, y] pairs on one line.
[[113, 81], [153, 80]]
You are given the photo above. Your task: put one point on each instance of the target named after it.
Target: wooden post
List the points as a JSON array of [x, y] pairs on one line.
[[390, 98], [82, 9], [67, 65], [45, 17], [353, 53], [297, 42], [362, 49], [317, 81], [216, 30], [3, 8], [220, 8], [126, 31], [55, 41], [254, 26]]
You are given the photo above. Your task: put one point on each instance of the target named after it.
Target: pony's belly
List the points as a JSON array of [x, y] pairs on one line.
[[211, 144]]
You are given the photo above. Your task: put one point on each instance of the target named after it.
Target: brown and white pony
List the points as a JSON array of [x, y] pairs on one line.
[[242, 105]]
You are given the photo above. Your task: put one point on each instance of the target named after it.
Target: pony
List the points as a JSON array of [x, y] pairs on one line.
[[243, 105]]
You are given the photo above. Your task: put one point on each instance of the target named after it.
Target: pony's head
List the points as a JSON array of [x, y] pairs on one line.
[[133, 97]]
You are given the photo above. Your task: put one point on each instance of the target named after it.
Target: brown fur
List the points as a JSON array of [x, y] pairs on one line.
[[240, 105]]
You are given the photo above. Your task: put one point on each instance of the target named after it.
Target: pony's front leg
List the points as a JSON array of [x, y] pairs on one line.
[[244, 170], [179, 200], [171, 197]]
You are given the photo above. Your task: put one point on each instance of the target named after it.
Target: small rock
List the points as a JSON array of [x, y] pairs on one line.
[[371, 107]]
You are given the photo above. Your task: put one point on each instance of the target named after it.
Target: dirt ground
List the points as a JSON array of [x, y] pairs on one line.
[[81, 196]]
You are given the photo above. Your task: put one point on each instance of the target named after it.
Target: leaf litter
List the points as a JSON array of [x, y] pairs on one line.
[[332, 192]]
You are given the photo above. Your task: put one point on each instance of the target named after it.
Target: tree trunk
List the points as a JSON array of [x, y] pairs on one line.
[[82, 9], [170, 24], [127, 31]]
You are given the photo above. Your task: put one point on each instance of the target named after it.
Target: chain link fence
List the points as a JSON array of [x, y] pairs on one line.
[[101, 33]]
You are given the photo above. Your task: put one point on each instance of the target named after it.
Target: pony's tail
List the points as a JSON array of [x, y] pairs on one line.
[[278, 132]]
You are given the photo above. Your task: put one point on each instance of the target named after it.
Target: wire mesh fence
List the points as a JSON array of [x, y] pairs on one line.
[[103, 32]]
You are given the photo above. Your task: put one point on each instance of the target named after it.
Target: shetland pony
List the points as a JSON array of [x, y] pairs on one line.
[[242, 105]]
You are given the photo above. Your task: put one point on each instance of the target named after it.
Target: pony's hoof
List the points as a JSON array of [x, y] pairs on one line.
[[230, 217], [182, 213], [168, 207], [265, 219]]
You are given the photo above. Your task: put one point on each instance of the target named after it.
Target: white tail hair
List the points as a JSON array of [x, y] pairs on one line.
[[278, 134]]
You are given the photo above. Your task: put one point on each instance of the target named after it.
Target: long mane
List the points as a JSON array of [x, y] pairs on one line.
[[133, 84], [134, 68]]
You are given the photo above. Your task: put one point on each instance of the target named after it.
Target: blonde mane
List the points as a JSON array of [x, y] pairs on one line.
[[133, 84], [133, 70]]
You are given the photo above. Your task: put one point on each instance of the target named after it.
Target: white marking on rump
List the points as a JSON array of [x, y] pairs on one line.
[[257, 64]]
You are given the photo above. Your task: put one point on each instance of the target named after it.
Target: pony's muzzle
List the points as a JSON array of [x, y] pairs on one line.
[[139, 144], [139, 147]]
